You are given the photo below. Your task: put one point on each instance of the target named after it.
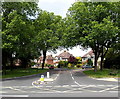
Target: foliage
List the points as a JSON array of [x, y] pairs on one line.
[[112, 57], [96, 26], [47, 32], [63, 63], [32, 63], [17, 32], [90, 62], [72, 60], [26, 37], [49, 65], [69, 65], [79, 65]]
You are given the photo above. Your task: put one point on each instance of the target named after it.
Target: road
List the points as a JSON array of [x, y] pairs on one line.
[[67, 83]]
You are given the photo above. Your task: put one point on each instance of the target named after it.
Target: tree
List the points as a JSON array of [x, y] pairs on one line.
[[47, 32], [112, 57], [90, 62], [95, 26], [16, 29]]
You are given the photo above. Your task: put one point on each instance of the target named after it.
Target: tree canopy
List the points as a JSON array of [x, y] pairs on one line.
[[96, 25]]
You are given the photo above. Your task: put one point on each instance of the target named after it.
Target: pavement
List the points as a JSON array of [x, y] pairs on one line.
[[62, 83], [107, 79]]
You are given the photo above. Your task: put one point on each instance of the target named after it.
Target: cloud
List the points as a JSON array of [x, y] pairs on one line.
[[59, 7]]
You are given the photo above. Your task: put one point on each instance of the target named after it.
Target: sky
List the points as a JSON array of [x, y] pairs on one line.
[[60, 7]]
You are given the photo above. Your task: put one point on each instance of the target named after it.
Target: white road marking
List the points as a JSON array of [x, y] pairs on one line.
[[78, 83], [17, 89], [65, 85], [73, 78], [108, 89], [113, 91], [14, 95], [48, 86], [74, 85], [92, 86], [100, 85], [57, 86], [80, 88], [57, 75]]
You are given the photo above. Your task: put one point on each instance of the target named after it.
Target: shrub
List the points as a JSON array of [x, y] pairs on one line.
[[78, 65], [32, 63], [75, 66], [113, 73], [69, 65], [72, 59], [90, 62], [63, 63]]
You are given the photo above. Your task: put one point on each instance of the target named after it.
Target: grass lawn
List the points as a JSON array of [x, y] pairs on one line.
[[22, 72], [102, 74]]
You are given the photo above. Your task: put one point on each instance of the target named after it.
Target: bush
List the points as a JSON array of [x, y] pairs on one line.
[[75, 66], [90, 62], [69, 65], [49, 65], [63, 64], [78, 65], [32, 63], [113, 73]]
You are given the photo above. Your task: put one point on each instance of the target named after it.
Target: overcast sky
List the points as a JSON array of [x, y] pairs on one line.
[[60, 7]]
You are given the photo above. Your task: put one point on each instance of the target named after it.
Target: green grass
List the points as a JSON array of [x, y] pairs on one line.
[[22, 72], [101, 74]]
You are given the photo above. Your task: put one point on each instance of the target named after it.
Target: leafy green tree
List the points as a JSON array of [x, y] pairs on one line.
[[112, 57], [47, 32], [95, 26], [16, 29]]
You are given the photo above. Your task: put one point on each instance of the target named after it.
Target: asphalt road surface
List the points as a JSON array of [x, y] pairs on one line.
[[67, 83]]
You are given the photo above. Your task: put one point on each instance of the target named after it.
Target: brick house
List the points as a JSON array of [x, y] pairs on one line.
[[49, 60], [64, 56]]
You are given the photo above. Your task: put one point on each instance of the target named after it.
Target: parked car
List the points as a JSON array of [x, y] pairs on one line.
[[51, 67], [86, 66]]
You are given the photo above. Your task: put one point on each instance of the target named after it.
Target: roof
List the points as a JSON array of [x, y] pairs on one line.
[[65, 55], [89, 53], [49, 57]]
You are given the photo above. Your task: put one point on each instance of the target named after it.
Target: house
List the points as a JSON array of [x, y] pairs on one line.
[[49, 60], [64, 56], [89, 55]]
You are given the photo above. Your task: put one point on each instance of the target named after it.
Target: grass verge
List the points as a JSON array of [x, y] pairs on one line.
[[22, 72], [102, 74]]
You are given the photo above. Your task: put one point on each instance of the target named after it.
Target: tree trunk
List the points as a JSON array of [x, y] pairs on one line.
[[95, 62], [102, 57], [11, 63], [4, 61], [24, 62], [44, 57], [3, 66]]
